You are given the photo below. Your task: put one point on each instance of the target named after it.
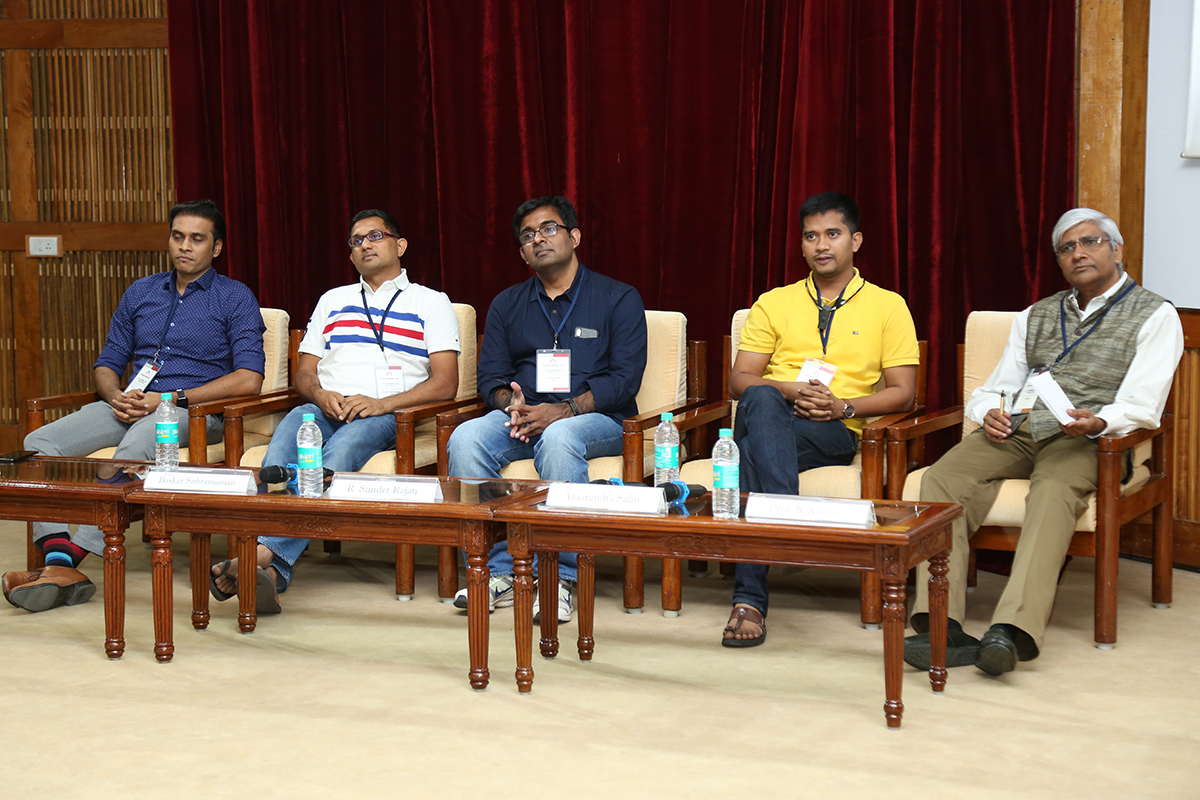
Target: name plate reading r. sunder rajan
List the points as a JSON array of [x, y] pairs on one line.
[[610, 498], [794, 510], [385, 488], [201, 480]]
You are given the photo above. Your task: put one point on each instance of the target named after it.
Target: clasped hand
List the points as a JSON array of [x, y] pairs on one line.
[[525, 420], [815, 402], [129, 407], [344, 408]]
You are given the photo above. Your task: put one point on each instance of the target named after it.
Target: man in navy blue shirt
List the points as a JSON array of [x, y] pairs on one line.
[[191, 332], [561, 363]]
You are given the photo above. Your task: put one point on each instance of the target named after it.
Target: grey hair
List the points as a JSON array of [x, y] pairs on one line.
[[1077, 216]]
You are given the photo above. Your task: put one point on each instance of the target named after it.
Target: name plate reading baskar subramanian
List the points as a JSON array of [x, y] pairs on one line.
[[794, 510], [606, 497], [201, 480], [385, 488]]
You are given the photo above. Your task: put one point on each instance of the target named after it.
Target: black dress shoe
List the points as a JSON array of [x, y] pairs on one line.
[[997, 652], [962, 649]]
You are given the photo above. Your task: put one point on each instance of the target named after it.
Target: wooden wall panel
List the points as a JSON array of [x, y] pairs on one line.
[[96, 9], [8, 345]]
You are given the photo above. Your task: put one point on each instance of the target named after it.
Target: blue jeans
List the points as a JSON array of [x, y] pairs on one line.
[[92, 428], [347, 447], [771, 462], [481, 447]]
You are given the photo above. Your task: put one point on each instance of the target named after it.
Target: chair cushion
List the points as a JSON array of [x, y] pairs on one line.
[[844, 482], [1009, 508], [275, 371], [468, 355]]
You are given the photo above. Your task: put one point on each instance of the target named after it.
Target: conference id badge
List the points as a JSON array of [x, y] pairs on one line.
[[389, 381], [144, 376], [1028, 396], [823, 371], [553, 371]]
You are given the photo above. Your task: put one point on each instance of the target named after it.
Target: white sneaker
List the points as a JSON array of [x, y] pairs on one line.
[[500, 594], [565, 609]]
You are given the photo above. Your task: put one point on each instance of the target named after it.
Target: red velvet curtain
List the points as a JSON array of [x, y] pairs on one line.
[[687, 133]]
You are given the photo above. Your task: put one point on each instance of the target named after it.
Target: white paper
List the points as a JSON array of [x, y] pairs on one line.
[[1053, 396], [823, 511], [201, 480], [385, 488], [607, 497]]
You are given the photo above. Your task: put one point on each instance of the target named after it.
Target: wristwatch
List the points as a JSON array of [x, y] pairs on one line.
[[848, 410], [181, 399]]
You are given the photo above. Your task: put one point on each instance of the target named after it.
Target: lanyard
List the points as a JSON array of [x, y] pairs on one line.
[[382, 321], [1062, 319], [176, 300], [825, 313], [574, 300]]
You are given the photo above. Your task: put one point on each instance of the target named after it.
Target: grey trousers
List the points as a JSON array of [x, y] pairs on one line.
[[92, 428], [1061, 473]]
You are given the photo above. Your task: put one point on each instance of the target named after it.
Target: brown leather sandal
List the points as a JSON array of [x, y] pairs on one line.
[[740, 615]]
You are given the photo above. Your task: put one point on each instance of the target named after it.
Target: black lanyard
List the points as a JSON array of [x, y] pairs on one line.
[[825, 313], [383, 321], [574, 300], [176, 300], [1062, 320]]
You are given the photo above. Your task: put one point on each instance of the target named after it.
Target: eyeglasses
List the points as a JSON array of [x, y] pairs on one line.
[[1088, 242], [547, 230], [372, 236]]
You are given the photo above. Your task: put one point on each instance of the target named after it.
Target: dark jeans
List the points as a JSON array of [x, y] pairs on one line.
[[771, 462]]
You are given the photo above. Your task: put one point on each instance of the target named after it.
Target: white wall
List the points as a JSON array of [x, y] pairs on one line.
[[1172, 262]]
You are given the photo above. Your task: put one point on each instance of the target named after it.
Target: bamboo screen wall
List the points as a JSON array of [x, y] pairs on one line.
[[1187, 431], [87, 156]]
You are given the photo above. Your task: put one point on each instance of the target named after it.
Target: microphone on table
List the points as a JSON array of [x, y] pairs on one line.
[[277, 474], [676, 492]]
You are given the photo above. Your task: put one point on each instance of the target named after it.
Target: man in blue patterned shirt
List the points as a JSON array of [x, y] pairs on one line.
[[189, 331]]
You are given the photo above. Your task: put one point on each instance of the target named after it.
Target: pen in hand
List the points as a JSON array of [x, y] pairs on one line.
[[1002, 398]]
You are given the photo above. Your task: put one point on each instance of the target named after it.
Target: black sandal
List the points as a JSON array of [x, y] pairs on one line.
[[212, 581]]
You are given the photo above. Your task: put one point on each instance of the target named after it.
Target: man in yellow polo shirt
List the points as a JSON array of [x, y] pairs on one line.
[[810, 356]]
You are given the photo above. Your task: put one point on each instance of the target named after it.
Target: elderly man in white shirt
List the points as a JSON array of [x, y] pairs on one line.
[[1112, 347]]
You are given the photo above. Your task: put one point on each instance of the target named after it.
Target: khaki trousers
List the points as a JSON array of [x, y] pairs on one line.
[[1061, 472]]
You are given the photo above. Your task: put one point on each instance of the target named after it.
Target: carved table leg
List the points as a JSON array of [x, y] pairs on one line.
[[938, 604], [160, 582], [585, 598], [114, 590], [548, 603], [476, 544], [246, 547], [200, 556], [893, 647], [447, 574], [518, 548]]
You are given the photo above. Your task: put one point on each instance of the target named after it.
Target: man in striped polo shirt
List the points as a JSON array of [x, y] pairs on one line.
[[371, 347]]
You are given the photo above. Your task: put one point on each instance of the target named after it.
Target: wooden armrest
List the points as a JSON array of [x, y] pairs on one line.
[[61, 400], [648, 419], [923, 424], [1125, 441], [427, 410], [877, 429], [263, 404], [703, 415], [450, 419]]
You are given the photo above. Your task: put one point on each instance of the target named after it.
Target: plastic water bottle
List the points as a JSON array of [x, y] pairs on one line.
[[166, 434], [726, 499], [311, 477], [666, 451]]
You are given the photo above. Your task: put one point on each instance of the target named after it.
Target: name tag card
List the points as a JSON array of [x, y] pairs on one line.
[[795, 510], [202, 480], [386, 488], [614, 499]]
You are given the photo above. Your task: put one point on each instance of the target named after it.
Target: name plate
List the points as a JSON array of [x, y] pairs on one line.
[[385, 488], [202, 480], [795, 510], [614, 499]]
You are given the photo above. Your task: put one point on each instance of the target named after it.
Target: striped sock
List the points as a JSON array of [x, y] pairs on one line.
[[60, 551]]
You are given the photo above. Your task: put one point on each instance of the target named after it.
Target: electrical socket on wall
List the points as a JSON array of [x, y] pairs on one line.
[[43, 246]]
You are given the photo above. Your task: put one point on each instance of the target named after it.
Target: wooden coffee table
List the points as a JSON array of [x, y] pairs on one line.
[[84, 491], [462, 519], [906, 535]]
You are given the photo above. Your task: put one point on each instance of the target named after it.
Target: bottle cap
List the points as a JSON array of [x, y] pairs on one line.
[[165, 396], [309, 417], [726, 433], [667, 417]]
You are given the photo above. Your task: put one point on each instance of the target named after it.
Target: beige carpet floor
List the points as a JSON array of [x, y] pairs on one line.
[[350, 693]]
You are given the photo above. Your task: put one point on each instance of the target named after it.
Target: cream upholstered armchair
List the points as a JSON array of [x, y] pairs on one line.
[[667, 385], [416, 441], [863, 477], [1148, 488]]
